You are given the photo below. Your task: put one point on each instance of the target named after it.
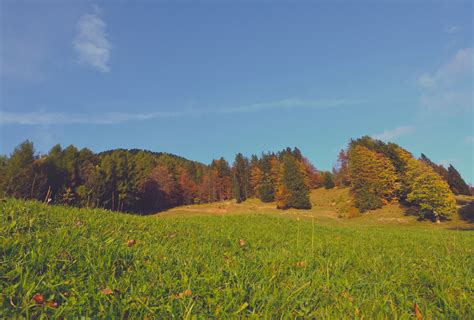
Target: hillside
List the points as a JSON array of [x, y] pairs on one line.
[[227, 260], [334, 207]]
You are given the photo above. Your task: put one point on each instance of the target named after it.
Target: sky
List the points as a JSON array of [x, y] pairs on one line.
[[206, 79]]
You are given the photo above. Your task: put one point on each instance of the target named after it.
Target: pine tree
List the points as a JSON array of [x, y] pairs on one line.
[[328, 181], [292, 191], [240, 181], [456, 182], [439, 169], [266, 188]]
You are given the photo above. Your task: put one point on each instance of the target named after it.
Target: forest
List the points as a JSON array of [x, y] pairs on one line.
[[143, 182]]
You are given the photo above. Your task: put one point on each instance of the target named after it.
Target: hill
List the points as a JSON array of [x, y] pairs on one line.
[[334, 207], [227, 260]]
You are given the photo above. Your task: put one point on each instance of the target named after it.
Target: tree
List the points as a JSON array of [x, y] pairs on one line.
[[328, 181], [292, 191], [312, 176], [371, 173], [256, 176], [18, 171], [223, 181], [266, 190], [341, 170], [164, 187], [429, 191], [456, 182], [208, 187], [187, 185], [240, 181]]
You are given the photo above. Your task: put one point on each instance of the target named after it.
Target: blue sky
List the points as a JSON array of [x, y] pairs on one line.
[[204, 80]]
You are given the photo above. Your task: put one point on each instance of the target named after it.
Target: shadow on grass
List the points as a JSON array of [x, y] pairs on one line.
[[467, 212], [465, 228], [414, 211]]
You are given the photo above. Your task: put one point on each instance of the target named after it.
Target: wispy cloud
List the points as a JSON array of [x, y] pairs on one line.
[[51, 118], [394, 133], [451, 86], [290, 104], [453, 29], [469, 139], [91, 44], [459, 66]]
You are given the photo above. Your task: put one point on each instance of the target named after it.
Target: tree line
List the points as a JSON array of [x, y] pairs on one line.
[[142, 181]]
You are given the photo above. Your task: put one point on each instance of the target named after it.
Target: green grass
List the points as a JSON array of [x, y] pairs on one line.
[[353, 268]]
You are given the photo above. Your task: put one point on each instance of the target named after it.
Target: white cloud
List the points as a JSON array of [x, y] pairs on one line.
[[426, 81], [453, 29], [394, 133], [51, 118], [91, 44], [458, 67], [291, 103], [447, 100], [469, 139], [450, 87]]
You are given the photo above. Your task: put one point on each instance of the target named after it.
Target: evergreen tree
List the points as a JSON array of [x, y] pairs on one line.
[[266, 190], [292, 190], [240, 179], [456, 182], [328, 181], [439, 169]]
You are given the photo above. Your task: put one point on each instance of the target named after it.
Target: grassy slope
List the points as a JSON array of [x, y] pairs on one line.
[[363, 267]]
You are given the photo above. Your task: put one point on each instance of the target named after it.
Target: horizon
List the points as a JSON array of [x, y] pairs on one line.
[[211, 80]]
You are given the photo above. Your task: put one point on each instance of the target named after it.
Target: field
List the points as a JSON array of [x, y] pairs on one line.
[[228, 260]]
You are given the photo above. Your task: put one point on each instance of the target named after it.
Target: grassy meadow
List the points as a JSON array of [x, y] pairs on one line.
[[227, 260]]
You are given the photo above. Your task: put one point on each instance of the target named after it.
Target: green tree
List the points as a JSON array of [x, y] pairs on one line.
[[18, 171], [241, 178], [328, 180], [292, 190], [456, 182]]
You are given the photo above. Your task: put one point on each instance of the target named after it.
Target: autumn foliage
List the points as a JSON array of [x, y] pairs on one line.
[[140, 181], [381, 173]]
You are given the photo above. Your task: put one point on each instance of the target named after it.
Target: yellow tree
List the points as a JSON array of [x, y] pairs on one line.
[[374, 180], [428, 190]]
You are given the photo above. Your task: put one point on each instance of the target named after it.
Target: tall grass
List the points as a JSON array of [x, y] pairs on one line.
[[182, 267]]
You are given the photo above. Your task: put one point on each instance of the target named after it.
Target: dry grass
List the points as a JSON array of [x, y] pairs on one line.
[[331, 207]]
